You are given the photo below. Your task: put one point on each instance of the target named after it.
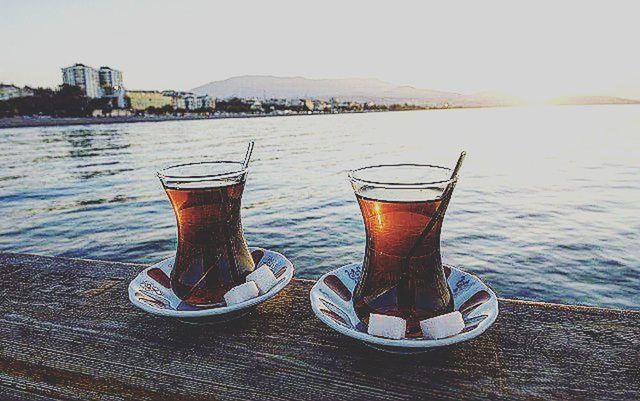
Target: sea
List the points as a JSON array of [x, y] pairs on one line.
[[547, 207]]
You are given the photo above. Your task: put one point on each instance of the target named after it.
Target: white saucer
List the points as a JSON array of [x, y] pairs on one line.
[[151, 291], [332, 302]]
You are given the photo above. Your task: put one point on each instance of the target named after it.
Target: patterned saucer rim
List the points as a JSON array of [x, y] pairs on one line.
[[283, 280], [490, 313]]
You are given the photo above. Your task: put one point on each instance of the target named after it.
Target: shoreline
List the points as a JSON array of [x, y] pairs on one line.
[[25, 122], [46, 121]]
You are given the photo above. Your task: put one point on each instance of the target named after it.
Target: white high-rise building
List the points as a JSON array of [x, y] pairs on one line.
[[110, 78], [84, 77]]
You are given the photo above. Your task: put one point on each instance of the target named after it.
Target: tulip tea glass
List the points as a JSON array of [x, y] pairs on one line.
[[402, 274], [212, 255]]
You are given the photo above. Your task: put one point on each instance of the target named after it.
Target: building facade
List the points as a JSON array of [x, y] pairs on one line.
[[308, 103], [142, 100], [177, 100], [118, 97], [11, 91], [110, 78], [189, 100], [205, 102], [106, 82], [112, 86], [84, 77]]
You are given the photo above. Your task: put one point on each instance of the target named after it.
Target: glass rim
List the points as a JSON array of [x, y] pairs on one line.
[[353, 176], [164, 173]]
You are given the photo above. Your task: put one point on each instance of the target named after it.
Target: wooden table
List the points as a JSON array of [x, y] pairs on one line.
[[68, 332]]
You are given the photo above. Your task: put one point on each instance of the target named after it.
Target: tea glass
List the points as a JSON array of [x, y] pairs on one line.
[[212, 255], [402, 272]]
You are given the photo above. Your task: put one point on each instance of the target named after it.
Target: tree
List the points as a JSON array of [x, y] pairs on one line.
[[166, 109], [233, 105], [104, 104], [70, 101], [67, 101]]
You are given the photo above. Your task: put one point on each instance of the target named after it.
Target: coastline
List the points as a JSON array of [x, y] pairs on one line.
[[46, 121], [22, 122]]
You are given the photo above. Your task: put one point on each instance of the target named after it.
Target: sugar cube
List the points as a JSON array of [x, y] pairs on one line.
[[263, 277], [241, 293], [442, 326], [387, 326]]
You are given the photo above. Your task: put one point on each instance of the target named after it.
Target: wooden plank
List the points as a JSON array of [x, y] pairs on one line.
[[68, 332]]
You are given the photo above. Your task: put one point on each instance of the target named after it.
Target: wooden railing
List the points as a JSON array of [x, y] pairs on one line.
[[68, 332]]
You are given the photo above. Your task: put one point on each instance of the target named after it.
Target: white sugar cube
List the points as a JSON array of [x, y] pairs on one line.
[[387, 326], [241, 293], [442, 326], [263, 277]]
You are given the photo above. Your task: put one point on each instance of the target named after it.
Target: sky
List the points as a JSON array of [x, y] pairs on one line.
[[534, 49]]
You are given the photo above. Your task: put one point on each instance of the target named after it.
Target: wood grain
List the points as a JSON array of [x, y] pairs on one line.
[[68, 332]]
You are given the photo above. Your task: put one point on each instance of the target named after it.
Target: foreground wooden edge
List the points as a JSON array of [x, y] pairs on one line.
[[307, 281]]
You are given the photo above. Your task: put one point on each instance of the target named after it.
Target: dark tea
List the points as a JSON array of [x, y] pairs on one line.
[[212, 255], [402, 271]]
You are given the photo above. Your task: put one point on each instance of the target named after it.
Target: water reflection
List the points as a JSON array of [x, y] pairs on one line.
[[108, 144]]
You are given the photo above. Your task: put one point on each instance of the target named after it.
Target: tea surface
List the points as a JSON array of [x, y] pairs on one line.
[[212, 255], [403, 275]]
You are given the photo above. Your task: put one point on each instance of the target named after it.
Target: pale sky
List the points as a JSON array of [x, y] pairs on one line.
[[529, 48]]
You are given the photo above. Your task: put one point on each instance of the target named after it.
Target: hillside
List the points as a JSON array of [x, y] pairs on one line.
[[371, 90], [359, 89]]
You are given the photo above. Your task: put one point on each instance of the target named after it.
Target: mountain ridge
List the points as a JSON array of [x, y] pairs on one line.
[[370, 90], [360, 89]]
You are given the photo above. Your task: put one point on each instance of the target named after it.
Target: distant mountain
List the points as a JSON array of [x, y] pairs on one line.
[[584, 100], [358, 89], [369, 90]]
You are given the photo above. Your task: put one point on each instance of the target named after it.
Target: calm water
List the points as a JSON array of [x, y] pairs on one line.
[[548, 207]]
